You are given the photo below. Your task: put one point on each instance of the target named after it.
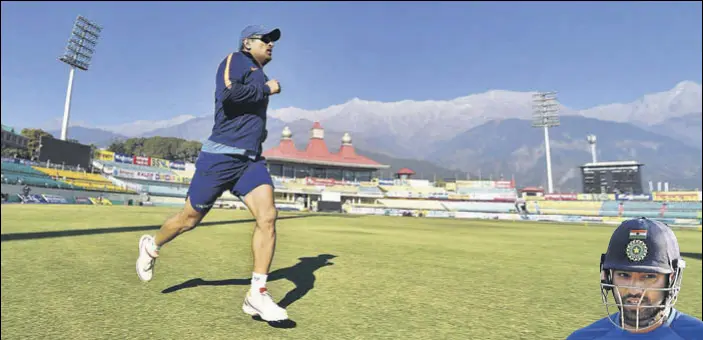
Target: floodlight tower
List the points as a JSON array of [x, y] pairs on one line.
[[545, 115], [78, 54], [592, 141]]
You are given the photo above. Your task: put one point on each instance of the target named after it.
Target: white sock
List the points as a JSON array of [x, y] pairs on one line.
[[258, 281], [152, 248]]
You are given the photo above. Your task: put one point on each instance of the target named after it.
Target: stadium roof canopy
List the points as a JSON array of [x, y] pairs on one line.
[[8, 128], [316, 152]]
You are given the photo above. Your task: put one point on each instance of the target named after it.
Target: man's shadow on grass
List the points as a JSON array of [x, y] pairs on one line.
[[301, 275]]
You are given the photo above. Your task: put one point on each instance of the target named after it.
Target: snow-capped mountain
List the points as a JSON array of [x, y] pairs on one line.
[[444, 132], [654, 108]]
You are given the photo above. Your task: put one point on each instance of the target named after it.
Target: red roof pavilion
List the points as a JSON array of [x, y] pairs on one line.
[[405, 171], [316, 151]]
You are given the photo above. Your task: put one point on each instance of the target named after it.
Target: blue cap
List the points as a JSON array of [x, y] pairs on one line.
[[643, 245], [254, 30]]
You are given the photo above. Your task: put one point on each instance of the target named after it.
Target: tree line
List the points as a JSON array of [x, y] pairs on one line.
[[169, 148], [32, 151]]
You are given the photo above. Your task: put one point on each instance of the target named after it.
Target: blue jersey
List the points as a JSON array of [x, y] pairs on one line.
[[241, 101], [678, 326]]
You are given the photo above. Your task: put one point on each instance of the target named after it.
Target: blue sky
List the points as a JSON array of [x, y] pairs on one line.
[[158, 60]]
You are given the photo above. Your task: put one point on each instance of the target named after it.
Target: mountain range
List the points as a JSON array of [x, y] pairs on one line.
[[487, 134]]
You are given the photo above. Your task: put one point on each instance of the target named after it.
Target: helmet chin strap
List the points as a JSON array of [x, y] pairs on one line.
[[643, 325]]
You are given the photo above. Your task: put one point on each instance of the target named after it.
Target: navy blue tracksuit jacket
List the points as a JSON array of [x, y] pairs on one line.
[[241, 101]]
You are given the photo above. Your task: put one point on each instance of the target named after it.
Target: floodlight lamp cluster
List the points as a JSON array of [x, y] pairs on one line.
[[545, 109], [81, 44]]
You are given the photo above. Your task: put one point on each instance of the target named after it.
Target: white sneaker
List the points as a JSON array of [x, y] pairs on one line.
[[262, 304], [145, 262]]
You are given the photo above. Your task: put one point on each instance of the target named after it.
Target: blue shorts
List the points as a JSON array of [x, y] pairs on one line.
[[216, 172]]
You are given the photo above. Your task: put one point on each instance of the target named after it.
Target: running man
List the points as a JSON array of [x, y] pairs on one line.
[[230, 159]]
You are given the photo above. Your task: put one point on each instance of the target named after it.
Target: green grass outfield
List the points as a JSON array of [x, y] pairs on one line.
[[71, 275]]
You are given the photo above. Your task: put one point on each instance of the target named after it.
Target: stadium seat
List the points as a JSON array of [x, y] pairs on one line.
[[88, 181], [184, 173], [14, 173], [581, 208], [344, 189], [412, 204], [372, 191], [135, 167], [303, 188], [688, 210], [493, 207]]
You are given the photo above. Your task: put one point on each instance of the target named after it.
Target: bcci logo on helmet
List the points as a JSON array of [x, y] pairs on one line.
[[636, 250]]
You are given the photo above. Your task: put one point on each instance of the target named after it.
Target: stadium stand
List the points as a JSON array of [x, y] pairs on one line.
[[154, 184], [135, 167], [82, 180], [689, 210], [144, 179], [278, 183], [487, 194], [493, 207], [370, 191], [583, 208], [14, 173], [184, 173], [343, 189], [683, 210], [165, 190], [406, 191], [302, 188], [469, 190], [411, 204], [155, 188]]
